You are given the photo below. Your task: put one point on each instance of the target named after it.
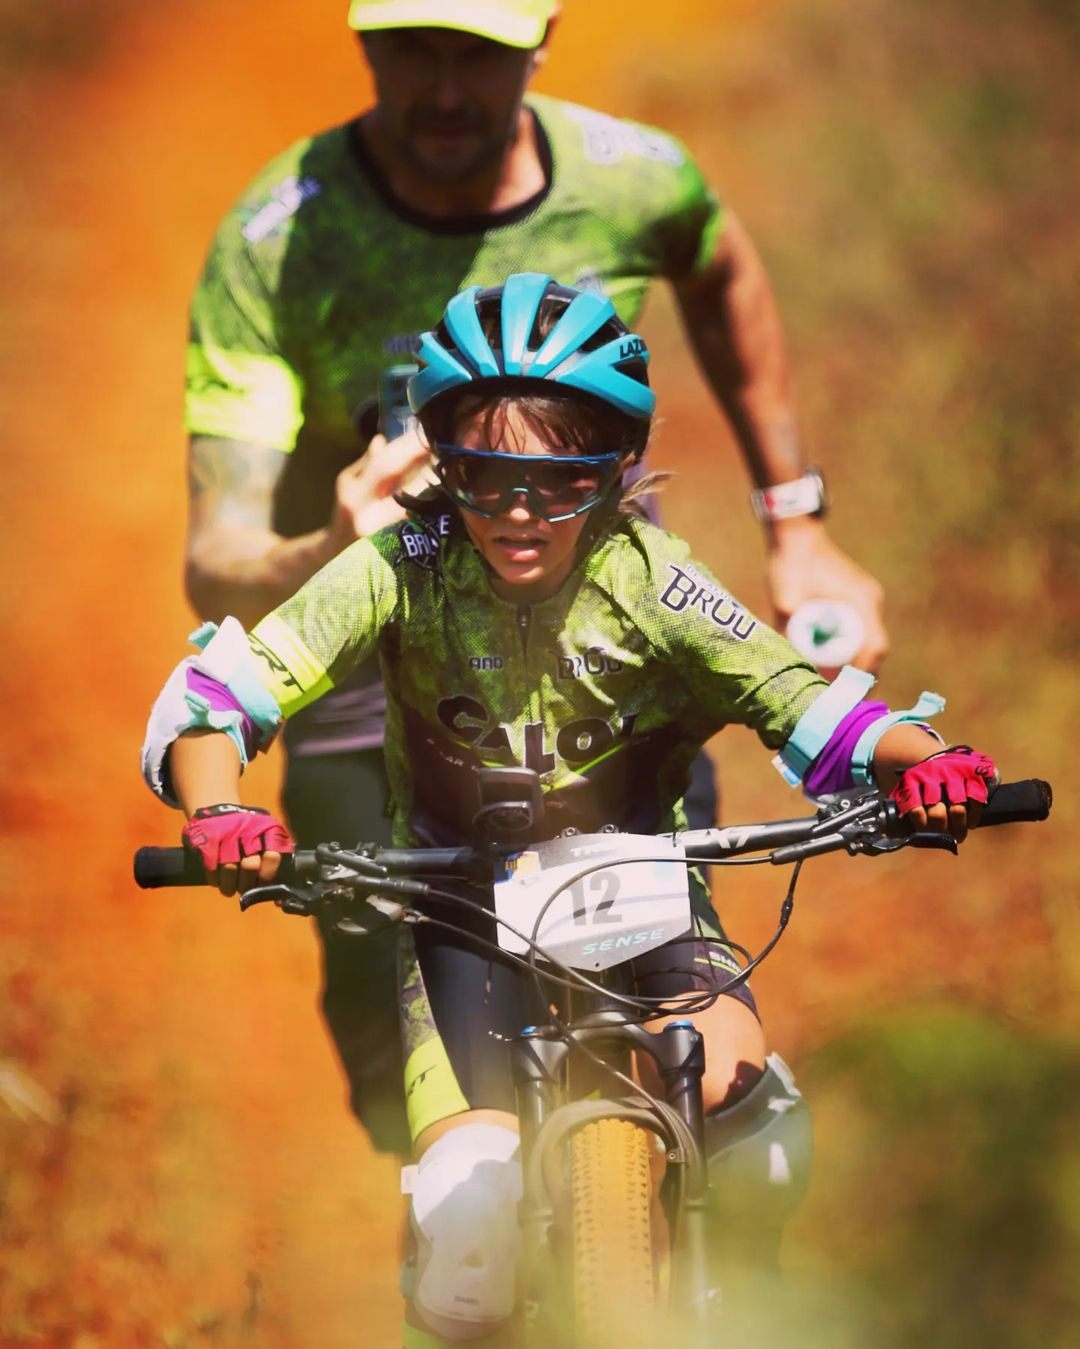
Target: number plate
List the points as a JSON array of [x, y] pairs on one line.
[[619, 909]]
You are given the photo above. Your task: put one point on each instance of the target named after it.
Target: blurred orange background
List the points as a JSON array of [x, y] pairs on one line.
[[177, 1165]]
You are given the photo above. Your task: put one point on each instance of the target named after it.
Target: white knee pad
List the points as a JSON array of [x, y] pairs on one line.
[[465, 1194]]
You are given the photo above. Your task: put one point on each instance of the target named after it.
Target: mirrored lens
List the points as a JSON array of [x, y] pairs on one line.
[[555, 487], [484, 482], [563, 485]]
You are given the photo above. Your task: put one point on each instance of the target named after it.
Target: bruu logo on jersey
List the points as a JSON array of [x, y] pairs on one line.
[[283, 203], [421, 543], [595, 661], [687, 589], [606, 139]]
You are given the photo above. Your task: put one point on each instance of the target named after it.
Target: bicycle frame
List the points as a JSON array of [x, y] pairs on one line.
[[563, 1071]]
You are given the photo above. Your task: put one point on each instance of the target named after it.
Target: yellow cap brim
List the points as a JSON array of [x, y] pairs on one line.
[[491, 21]]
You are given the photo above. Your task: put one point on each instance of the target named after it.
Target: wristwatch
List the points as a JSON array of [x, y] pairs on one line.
[[803, 496]]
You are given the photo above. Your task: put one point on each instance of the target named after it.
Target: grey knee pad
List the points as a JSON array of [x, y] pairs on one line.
[[759, 1150], [465, 1193]]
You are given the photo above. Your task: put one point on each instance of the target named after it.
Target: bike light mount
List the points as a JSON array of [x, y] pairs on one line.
[[511, 804]]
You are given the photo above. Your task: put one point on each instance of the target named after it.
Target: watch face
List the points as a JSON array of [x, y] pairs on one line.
[[823, 497], [785, 500]]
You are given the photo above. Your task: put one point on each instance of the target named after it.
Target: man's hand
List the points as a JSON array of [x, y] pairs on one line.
[[804, 564], [732, 320], [364, 493]]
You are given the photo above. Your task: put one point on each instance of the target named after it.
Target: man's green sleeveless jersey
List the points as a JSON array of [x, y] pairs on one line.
[[319, 279], [607, 689]]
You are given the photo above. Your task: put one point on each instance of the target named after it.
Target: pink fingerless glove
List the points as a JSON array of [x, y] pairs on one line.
[[226, 833], [955, 775]]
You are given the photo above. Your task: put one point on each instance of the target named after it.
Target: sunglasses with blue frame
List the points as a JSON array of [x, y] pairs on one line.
[[556, 487]]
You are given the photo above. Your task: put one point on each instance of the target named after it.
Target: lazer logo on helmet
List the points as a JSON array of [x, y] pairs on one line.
[[633, 347]]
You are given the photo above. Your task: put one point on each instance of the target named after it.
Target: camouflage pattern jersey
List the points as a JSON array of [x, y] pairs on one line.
[[319, 278], [607, 689]]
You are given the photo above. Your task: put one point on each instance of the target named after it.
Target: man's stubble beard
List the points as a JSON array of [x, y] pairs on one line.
[[484, 161]]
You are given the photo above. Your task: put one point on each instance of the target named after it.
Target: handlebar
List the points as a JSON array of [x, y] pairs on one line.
[[867, 823]]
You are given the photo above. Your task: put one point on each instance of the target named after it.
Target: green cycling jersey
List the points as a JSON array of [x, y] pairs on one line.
[[606, 689], [318, 279]]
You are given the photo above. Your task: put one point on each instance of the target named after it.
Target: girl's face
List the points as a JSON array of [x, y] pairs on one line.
[[529, 557]]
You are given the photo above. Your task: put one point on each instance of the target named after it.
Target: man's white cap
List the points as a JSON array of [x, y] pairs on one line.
[[514, 23]]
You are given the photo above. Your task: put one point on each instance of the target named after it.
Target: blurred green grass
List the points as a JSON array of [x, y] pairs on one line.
[[947, 1184]]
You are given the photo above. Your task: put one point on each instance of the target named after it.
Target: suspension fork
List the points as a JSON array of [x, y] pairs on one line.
[[681, 1061], [541, 1071], [544, 1073]]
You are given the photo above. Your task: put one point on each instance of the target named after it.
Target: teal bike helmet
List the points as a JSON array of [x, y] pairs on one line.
[[532, 332]]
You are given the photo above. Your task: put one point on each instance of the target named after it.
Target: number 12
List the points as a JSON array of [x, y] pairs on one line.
[[605, 881]]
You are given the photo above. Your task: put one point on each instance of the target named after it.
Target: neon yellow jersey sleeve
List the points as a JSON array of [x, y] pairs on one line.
[[314, 641], [240, 395], [240, 384]]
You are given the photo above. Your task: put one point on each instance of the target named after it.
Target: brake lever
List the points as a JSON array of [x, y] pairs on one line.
[[879, 844], [850, 814], [923, 838], [288, 899]]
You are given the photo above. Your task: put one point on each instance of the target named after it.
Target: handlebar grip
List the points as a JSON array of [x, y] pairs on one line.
[[1016, 802], [157, 867]]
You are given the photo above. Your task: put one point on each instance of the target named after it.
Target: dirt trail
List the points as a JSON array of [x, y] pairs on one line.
[[191, 1171]]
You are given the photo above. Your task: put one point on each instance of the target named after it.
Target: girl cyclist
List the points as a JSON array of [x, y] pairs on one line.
[[525, 615]]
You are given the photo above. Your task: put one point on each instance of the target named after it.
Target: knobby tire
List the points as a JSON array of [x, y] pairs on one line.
[[614, 1246]]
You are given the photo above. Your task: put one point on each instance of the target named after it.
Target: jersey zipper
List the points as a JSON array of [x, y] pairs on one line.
[[524, 622]]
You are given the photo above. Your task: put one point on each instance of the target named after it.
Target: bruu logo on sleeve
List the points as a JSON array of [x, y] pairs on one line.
[[273, 215], [689, 590], [606, 139], [420, 543]]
